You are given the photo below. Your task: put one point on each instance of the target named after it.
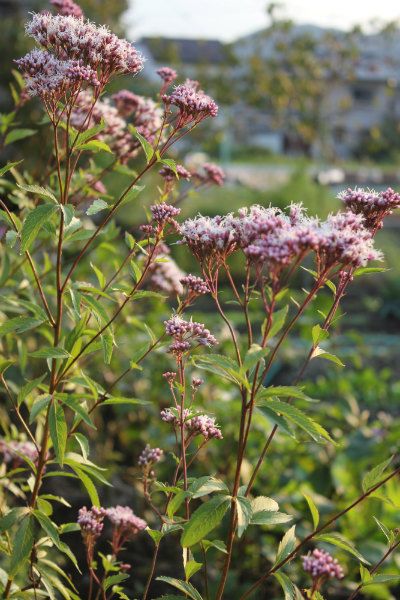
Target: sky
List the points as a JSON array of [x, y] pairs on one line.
[[230, 19]]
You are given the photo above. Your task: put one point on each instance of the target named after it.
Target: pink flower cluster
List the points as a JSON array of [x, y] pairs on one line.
[[169, 174], [46, 74], [67, 8], [195, 285], [270, 237], [205, 426], [165, 275], [13, 451], [91, 521], [193, 104], [164, 213], [186, 334], [209, 236], [72, 38], [145, 115], [374, 206], [167, 74], [125, 521], [146, 118], [210, 174], [194, 425], [150, 456], [321, 564]]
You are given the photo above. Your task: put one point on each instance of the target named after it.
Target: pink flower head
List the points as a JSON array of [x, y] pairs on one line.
[[169, 174], [91, 521], [186, 334], [164, 213], [125, 521], [321, 564], [193, 105], [72, 38], [45, 74], [67, 8], [166, 275], [167, 74], [374, 206], [209, 237], [195, 285], [210, 174], [150, 456], [205, 426]]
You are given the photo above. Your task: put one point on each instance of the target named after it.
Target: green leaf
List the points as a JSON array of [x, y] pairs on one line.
[[375, 475], [107, 343], [313, 510], [38, 406], [88, 484], [191, 568], [38, 190], [28, 388], [23, 543], [364, 574], [320, 352], [217, 544], [176, 502], [296, 416], [253, 355], [278, 321], [369, 270], [48, 526], [319, 334], [289, 589], [122, 400], [207, 485], [379, 579], [80, 410], [147, 148], [50, 352], [283, 391], [19, 325], [95, 146], [204, 519], [133, 192], [113, 579], [8, 167], [336, 539], [286, 545], [34, 222], [270, 518], [182, 586], [18, 134], [96, 207], [58, 430], [11, 238], [13, 516], [155, 535], [244, 513]]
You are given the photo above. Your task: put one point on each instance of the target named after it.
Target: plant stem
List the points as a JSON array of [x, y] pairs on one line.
[[374, 569], [152, 569]]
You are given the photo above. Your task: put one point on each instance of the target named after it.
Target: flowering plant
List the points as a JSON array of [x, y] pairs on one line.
[[65, 322]]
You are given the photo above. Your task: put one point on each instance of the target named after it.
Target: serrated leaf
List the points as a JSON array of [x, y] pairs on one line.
[[50, 352], [206, 518], [217, 544], [38, 406], [336, 539], [253, 355], [8, 167], [34, 222], [313, 510], [95, 146], [286, 545], [58, 430], [207, 485], [296, 416], [23, 543], [28, 388], [19, 325], [244, 513], [319, 334], [375, 475], [369, 270], [182, 586], [40, 191], [114, 579], [177, 502], [96, 207]]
